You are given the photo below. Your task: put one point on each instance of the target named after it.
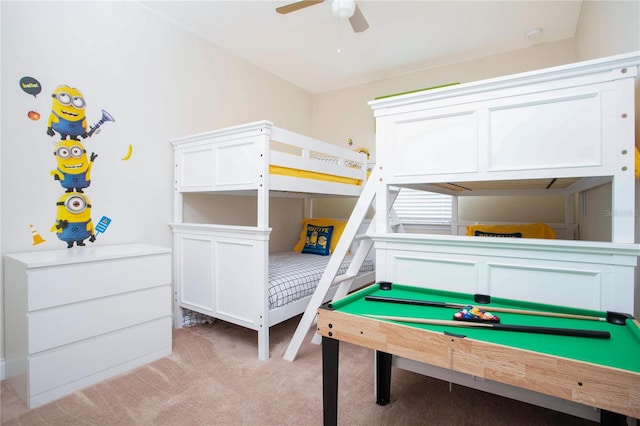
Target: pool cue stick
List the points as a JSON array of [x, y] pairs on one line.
[[488, 308], [595, 334]]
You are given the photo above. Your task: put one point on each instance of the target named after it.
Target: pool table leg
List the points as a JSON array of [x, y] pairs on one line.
[[608, 418], [383, 378], [330, 349]]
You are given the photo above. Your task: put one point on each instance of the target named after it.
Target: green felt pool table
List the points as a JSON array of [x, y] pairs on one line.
[[602, 371]]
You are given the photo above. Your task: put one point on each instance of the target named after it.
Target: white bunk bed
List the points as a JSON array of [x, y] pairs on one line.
[[227, 271], [560, 130]]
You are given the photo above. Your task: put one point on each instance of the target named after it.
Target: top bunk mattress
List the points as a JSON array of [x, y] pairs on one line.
[[306, 174], [327, 176]]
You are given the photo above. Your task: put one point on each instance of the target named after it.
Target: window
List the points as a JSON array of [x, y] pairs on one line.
[[421, 207]]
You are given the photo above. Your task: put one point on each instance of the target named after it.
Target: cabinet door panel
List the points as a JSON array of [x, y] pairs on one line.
[[194, 273]]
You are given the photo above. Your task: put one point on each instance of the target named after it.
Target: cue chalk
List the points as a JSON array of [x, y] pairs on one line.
[[385, 285]]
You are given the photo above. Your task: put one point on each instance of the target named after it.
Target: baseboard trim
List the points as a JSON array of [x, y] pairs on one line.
[[2, 369]]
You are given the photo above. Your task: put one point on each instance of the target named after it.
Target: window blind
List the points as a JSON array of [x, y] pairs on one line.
[[413, 206]]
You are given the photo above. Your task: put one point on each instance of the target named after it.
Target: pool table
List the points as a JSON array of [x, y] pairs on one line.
[[603, 372]]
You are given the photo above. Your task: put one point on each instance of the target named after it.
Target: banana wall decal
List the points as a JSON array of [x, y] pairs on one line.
[[128, 154]]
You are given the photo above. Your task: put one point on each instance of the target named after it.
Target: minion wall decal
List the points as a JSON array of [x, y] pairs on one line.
[[73, 219], [73, 223], [67, 113], [68, 116], [73, 212], [74, 167]]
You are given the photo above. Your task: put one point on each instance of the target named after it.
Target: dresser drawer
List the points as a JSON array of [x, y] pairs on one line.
[[60, 285], [84, 363], [62, 325]]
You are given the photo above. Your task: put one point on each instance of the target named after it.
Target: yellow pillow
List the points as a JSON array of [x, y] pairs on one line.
[[531, 230], [338, 228]]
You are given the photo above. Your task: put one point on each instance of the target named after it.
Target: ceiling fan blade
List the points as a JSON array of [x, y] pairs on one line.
[[358, 23], [292, 7]]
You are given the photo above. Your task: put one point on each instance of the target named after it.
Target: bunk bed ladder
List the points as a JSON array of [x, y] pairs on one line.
[[329, 277]]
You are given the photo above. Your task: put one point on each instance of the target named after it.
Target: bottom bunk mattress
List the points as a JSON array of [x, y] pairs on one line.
[[293, 275]]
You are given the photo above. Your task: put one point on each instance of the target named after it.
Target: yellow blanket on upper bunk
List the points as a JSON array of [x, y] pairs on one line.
[[531, 230], [286, 171]]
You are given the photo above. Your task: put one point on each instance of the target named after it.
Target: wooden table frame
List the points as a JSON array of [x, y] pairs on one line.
[[576, 381]]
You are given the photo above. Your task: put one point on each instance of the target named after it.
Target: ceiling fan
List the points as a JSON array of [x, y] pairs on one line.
[[341, 8]]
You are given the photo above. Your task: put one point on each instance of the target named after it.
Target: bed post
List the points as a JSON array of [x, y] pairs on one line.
[[263, 340], [263, 222], [178, 201]]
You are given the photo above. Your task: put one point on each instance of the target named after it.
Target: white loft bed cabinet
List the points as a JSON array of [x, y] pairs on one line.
[[559, 130], [222, 271]]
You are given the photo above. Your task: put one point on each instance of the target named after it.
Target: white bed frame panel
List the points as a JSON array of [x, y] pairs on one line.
[[573, 121], [222, 270], [582, 274], [238, 159], [208, 257]]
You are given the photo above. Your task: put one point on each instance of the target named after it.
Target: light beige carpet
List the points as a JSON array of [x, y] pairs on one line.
[[214, 377]]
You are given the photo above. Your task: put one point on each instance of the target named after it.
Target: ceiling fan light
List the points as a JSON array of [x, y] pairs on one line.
[[343, 8]]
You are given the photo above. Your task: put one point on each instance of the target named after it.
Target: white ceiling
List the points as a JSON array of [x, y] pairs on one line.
[[319, 52]]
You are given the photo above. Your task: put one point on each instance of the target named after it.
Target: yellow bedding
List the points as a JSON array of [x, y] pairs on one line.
[[531, 230], [286, 171]]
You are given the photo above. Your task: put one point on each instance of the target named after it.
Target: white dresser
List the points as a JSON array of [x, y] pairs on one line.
[[74, 317]]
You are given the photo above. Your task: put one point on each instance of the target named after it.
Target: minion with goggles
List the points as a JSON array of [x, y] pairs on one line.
[[73, 219], [74, 167], [67, 116]]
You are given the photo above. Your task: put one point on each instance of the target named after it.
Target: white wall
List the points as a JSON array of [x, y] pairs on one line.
[[607, 28], [284, 213], [157, 80]]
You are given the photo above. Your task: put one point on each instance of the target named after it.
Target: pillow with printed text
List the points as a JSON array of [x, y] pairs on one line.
[[318, 239], [338, 227]]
